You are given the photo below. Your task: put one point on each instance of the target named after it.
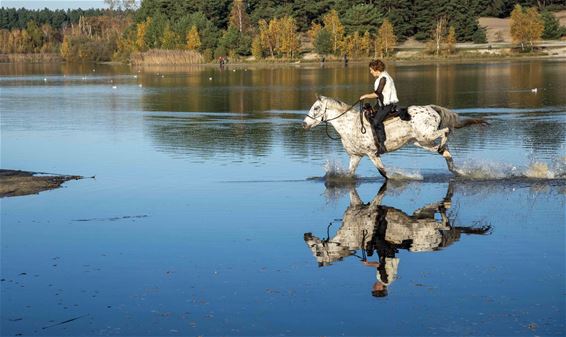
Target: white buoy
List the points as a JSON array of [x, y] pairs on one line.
[[534, 90], [114, 87], [210, 78], [45, 79], [139, 85]]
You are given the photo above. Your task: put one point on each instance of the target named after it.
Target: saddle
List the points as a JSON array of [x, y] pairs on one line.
[[394, 111]]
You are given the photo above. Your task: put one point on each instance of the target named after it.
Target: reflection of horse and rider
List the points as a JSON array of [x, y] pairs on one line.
[[373, 227]]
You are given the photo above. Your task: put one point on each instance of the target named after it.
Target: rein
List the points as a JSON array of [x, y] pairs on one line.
[[331, 119]]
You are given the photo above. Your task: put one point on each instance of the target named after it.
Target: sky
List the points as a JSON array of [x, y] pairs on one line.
[[53, 4]]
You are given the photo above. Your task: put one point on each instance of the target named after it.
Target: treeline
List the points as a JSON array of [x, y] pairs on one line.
[[11, 18], [262, 28]]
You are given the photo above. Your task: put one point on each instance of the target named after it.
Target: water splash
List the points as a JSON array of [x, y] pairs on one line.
[[402, 174], [482, 170], [334, 169]]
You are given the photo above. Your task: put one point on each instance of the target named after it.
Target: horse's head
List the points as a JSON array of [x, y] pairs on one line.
[[326, 252], [316, 115]]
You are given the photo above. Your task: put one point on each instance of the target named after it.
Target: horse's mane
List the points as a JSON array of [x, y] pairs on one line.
[[333, 103]]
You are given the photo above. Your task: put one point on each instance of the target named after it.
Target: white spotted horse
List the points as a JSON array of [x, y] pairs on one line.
[[428, 128]]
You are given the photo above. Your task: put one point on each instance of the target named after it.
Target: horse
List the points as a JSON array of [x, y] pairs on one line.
[[382, 228], [428, 124]]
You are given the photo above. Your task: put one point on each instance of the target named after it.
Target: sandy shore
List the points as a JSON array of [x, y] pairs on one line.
[[16, 183]]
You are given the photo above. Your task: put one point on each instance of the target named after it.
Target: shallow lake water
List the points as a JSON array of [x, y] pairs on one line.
[[208, 212]]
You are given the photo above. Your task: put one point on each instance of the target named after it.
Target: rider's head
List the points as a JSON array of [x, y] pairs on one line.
[[376, 67], [379, 289]]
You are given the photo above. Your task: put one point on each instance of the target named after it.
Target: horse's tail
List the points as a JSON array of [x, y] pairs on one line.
[[450, 119]]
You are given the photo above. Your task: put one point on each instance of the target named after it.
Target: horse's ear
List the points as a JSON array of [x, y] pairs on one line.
[[317, 96]]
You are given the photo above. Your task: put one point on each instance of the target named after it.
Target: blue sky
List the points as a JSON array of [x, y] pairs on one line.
[[53, 4]]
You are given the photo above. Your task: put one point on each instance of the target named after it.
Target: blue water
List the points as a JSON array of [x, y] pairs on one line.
[[194, 221]]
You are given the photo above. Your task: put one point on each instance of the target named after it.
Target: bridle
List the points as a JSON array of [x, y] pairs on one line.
[[331, 119]]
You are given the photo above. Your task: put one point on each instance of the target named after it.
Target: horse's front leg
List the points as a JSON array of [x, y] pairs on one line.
[[354, 162], [376, 160]]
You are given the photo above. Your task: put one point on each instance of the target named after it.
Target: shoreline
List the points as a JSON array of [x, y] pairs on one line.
[[405, 54]]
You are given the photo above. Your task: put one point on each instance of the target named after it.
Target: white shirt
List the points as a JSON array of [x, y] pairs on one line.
[[389, 92]]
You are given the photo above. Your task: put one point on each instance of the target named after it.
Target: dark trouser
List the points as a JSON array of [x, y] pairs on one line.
[[378, 127]]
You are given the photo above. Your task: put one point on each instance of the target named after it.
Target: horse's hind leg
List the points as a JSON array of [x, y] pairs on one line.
[[376, 160], [444, 152]]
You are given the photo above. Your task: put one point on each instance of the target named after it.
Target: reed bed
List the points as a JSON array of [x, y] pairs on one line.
[[30, 58], [167, 57]]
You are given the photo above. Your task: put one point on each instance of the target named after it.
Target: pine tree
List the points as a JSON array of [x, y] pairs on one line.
[[552, 29], [323, 42], [400, 14], [361, 18]]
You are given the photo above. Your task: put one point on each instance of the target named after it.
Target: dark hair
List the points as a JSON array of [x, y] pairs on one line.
[[379, 293], [377, 65]]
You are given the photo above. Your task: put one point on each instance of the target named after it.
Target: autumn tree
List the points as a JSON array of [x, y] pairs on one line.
[[526, 26], [257, 49], [519, 26], [170, 39], [386, 40], [238, 16], [141, 32], [535, 26], [451, 40], [289, 42], [366, 43], [438, 34], [268, 35], [193, 39], [333, 25]]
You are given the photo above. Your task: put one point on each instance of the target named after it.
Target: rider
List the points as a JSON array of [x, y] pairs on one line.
[[386, 94]]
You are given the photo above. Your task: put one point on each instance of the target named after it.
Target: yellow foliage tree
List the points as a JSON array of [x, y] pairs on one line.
[[238, 16], [141, 31], [519, 26], [313, 31], [535, 26], [268, 35], [386, 40], [335, 28], [365, 43], [289, 42], [169, 39], [451, 40], [193, 39], [257, 49]]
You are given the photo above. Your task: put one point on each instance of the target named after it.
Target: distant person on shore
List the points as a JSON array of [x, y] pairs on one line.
[[345, 60], [386, 94], [221, 61]]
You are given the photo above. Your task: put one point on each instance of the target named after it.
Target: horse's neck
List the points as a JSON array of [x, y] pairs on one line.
[[345, 123]]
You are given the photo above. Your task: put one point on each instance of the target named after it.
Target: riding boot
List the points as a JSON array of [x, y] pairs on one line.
[[380, 139]]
